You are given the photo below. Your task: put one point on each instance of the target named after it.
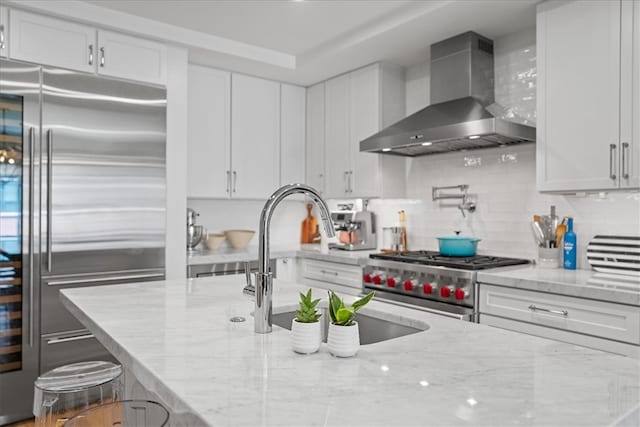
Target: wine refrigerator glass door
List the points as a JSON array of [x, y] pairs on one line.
[[19, 323]]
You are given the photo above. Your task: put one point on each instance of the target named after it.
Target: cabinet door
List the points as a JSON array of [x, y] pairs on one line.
[[131, 58], [255, 137], [337, 149], [578, 95], [292, 138], [364, 121], [4, 30], [315, 137], [50, 41], [209, 139], [630, 93]]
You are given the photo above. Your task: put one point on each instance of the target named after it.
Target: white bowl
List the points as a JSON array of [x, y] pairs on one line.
[[239, 239], [214, 241]]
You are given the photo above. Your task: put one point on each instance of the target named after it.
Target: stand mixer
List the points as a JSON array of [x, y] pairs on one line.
[[194, 232]]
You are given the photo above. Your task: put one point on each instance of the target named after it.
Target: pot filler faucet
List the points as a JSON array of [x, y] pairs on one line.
[[264, 277]]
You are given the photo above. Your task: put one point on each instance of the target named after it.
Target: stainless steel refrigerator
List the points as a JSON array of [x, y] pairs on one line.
[[82, 203]]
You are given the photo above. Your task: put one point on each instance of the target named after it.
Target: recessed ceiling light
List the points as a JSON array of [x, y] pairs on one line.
[[426, 144], [474, 137], [386, 149]]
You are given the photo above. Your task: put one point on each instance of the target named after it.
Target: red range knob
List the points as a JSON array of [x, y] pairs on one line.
[[460, 294], [377, 280], [427, 288], [445, 292], [408, 285], [367, 278], [391, 282]]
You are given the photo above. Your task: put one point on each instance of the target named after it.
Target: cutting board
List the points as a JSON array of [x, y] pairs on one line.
[[615, 254], [309, 225]]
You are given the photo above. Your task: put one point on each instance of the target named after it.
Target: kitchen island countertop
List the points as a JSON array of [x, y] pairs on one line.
[[176, 338]]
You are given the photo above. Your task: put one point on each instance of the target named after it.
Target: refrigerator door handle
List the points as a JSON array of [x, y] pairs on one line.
[[69, 339], [63, 282], [32, 150], [49, 195]]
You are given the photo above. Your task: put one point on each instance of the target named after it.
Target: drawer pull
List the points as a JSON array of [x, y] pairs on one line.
[[546, 310], [329, 272]]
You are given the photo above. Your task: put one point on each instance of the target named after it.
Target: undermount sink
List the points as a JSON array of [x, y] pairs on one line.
[[372, 329]]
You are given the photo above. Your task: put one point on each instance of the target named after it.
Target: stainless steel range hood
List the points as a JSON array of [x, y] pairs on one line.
[[461, 88]]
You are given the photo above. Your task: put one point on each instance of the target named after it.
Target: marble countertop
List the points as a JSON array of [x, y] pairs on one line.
[[176, 337], [579, 283]]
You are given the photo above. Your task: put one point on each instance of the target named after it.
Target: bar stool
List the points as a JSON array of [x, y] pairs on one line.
[[125, 413], [63, 392]]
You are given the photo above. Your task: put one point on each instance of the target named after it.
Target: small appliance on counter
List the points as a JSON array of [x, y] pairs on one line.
[[194, 232], [356, 230]]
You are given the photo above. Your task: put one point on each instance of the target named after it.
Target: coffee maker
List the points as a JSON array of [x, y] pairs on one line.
[[356, 230]]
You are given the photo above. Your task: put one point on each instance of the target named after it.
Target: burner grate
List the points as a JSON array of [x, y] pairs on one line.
[[477, 262]]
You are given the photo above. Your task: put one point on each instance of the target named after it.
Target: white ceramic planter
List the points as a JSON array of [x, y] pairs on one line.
[[306, 337], [343, 341]]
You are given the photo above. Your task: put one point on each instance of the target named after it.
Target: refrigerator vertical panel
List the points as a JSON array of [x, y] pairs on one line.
[[103, 174], [19, 301]]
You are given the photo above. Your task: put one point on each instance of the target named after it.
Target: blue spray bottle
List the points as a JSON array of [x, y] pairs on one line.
[[569, 248]]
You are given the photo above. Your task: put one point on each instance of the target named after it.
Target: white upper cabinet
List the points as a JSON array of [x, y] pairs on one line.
[[4, 30], [209, 141], [357, 105], [630, 131], [315, 137], [292, 138], [255, 137], [49, 41], [131, 58], [584, 77], [337, 150]]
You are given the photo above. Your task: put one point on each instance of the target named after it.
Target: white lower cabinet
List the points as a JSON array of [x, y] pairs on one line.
[[341, 278], [601, 325]]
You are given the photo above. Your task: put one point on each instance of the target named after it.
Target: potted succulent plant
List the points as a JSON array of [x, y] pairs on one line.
[[306, 329], [344, 335]]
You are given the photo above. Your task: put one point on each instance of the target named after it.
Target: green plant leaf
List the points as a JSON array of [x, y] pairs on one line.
[[363, 301], [335, 303], [307, 312], [344, 316]]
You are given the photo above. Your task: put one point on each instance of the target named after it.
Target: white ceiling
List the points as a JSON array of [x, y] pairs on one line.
[[324, 38]]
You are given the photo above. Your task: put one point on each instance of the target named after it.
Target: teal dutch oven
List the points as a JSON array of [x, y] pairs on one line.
[[458, 245]]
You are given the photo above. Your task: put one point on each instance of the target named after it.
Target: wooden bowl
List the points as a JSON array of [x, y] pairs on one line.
[[214, 241], [239, 239]]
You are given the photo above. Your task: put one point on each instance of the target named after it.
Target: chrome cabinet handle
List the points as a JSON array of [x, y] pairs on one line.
[[612, 151], [329, 272], [414, 137], [228, 181], [625, 160], [350, 181], [90, 54], [102, 56], [346, 181], [49, 195], [2, 44], [70, 339], [32, 176], [235, 180], [546, 310]]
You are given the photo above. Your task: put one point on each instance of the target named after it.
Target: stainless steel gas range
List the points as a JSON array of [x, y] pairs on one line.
[[445, 285]]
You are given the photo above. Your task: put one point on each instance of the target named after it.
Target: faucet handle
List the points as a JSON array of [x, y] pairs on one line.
[[249, 289]]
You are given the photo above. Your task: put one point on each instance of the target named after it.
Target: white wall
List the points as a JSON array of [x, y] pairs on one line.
[[504, 179]]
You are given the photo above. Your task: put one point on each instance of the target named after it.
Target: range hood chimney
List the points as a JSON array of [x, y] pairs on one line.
[[461, 88]]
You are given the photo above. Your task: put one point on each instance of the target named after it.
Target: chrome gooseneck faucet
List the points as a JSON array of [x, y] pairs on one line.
[[264, 277]]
